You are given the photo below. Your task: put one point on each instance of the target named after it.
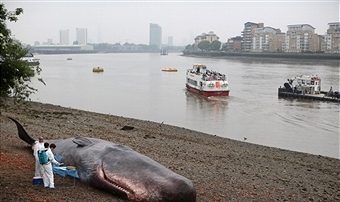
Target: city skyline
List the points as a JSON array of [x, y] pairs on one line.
[[120, 22]]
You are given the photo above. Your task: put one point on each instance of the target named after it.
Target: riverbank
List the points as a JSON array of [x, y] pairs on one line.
[[221, 54], [221, 169]]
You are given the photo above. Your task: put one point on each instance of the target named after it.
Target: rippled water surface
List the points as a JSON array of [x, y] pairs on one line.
[[133, 85]]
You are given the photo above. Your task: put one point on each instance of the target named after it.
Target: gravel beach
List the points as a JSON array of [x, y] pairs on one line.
[[221, 169]]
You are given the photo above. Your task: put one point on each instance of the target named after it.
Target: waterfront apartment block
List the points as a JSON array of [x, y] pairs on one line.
[[332, 38], [267, 39], [248, 35], [211, 36], [233, 44], [302, 38], [155, 37]]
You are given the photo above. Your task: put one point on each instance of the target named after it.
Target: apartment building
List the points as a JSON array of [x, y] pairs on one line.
[[211, 36], [267, 39], [248, 35], [233, 44], [332, 38], [302, 38]]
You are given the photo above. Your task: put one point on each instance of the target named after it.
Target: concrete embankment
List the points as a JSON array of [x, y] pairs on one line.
[[316, 56]]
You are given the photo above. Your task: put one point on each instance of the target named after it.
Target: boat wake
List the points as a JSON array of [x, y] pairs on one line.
[[221, 99], [307, 122]]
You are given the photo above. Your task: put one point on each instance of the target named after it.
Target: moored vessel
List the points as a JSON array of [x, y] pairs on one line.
[[29, 57], [164, 51], [169, 69], [97, 69], [206, 82], [307, 87]]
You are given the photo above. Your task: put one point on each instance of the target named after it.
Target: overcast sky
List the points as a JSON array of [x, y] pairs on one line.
[[128, 21]]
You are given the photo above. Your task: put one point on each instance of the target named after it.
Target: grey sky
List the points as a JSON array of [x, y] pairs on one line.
[[128, 21]]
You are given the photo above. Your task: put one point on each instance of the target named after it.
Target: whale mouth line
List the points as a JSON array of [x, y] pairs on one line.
[[115, 184]]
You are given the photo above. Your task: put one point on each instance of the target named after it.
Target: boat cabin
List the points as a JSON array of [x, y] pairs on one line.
[[306, 84], [199, 69]]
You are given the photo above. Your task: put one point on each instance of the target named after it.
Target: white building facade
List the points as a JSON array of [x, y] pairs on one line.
[[267, 39], [302, 38], [332, 38], [211, 36]]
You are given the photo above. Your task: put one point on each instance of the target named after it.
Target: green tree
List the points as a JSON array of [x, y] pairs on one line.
[[188, 47], [215, 45], [204, 45], [15, 73]]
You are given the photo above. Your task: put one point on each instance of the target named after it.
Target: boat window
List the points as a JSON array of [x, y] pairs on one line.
[[193, 82]]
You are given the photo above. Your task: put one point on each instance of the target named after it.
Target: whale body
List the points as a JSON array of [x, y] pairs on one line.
[[120, 170]]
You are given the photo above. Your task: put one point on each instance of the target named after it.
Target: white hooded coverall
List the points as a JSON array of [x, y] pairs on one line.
[[47, 171], [36, 147]]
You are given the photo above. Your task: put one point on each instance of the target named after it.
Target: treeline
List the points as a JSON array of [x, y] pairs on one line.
[[131, 47]]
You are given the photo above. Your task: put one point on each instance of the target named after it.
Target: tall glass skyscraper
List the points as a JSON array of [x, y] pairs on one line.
[[155, 35]]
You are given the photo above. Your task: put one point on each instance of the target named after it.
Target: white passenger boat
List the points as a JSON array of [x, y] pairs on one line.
[[206, 82]]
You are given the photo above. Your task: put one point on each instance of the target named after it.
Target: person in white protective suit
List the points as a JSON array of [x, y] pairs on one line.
[[46, 169], [38, 145]]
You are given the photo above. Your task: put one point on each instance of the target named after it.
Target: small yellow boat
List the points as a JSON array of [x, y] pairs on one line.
[[98, 69], [169, 69]]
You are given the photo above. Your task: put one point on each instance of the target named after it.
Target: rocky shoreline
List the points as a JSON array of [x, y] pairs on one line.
[[221, 169]]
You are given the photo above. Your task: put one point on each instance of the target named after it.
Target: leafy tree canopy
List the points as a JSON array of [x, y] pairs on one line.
[[15, 73], [204, 45], [215, 45]]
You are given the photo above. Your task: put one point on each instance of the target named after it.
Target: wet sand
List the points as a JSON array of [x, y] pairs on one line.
[[221, 169]]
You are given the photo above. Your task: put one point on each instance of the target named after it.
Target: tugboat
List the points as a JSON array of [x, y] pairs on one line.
[[206, 82], [307, 87]]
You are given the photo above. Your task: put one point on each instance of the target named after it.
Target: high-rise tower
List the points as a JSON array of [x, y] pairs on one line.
[[81, 36], [64, 37], [155, 35]]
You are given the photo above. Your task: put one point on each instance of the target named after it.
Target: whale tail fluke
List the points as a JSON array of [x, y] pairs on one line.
[[22, 133]]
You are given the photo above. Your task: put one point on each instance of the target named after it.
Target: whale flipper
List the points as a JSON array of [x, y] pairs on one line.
[[22, 133]]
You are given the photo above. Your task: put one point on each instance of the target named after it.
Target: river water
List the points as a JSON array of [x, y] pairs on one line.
[[133, 85]]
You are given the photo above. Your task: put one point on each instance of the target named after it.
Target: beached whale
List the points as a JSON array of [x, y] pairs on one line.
[[120, 170]]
